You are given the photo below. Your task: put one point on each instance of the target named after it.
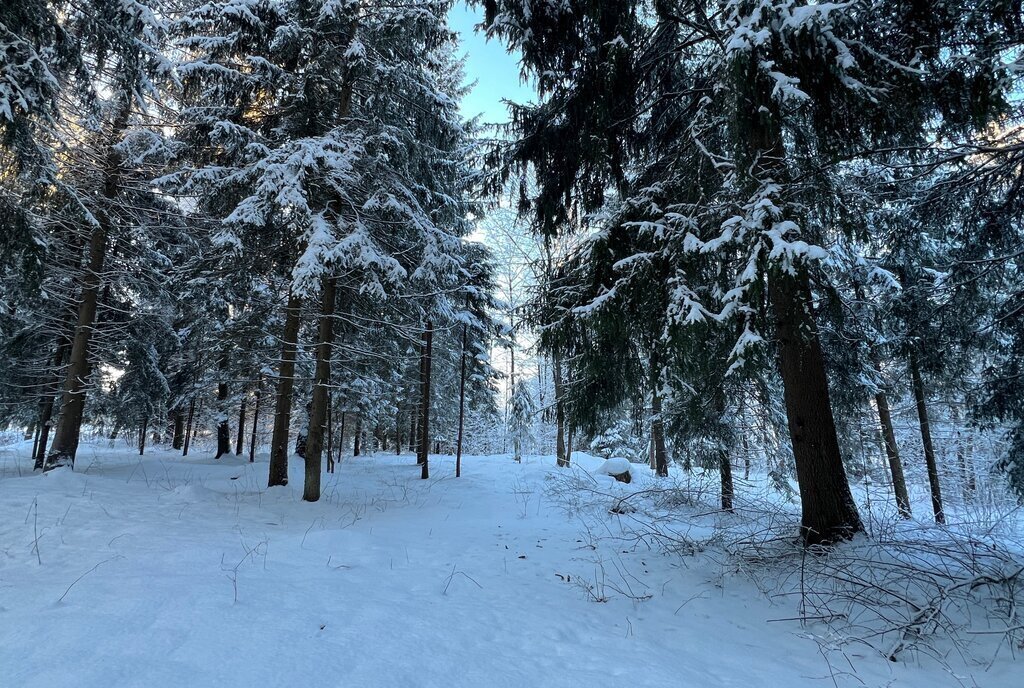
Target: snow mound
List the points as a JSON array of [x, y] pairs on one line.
[[615, 466]]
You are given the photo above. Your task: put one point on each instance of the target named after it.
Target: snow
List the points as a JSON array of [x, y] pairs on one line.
[[170, 571], [615, 466]]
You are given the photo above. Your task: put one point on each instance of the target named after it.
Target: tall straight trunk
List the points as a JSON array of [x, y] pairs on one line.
[[178, 434], [255, 422], [142, 436], [746, 453], [424, 445], [341, 436], [414, 436], [658, 436], [556, 368], [829, 512], [330, 431], [657, 422], [188, 426], [724, 460], [35, 438], [321, 398], [285, 387], [223, 431], [69, 424], [462, 404], [926, 437], [725, 472], [47, 403], [45, 416], [72, 407], [397, 431], [357, 439], [240, 440], [892, 453]]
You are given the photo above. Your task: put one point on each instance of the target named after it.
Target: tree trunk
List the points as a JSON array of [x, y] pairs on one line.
[[724, 461], [658, 427], [255, 423], [321, 397], [892, 453], [240, 440], [424, 448], [285, 386], [357, 440], [69, 424], [178, 435], [223, 431], [330, 433], [725, 470], [341, 437], [926, 437], [462, 405], [35, 438], [414, 436], [560, 458], [829, 512], [746, 456], [47, 403], [188, 426], [397, 431], [72, 407], [142, 436]]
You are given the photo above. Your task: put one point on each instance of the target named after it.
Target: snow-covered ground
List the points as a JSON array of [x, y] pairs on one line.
[[163, 571]]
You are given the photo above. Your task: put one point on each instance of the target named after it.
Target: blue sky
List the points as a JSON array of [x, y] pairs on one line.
[[495, 71]]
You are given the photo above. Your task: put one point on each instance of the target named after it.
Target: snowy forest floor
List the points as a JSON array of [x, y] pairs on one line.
[[163, 571]]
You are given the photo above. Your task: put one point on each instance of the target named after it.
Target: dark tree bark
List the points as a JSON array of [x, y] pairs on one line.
[[341, 437], [424, 444], [398, 431], [285, 387], [829, 512], [724, 461], [725, 470], [46, 405], [926, 437], [35, 438], [142, 436], [321, 397], [178, 434], [560, 457], [414, 436], [223, 431], [72, 407], [188, 426], [240, 439], [330, 434], [657, 435], [357, 440], [746, 456], [69, 424], [255, 422], [462, 404], [892, 453]]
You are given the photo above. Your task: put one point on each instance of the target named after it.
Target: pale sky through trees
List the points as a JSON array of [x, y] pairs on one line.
[[495, 71]]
